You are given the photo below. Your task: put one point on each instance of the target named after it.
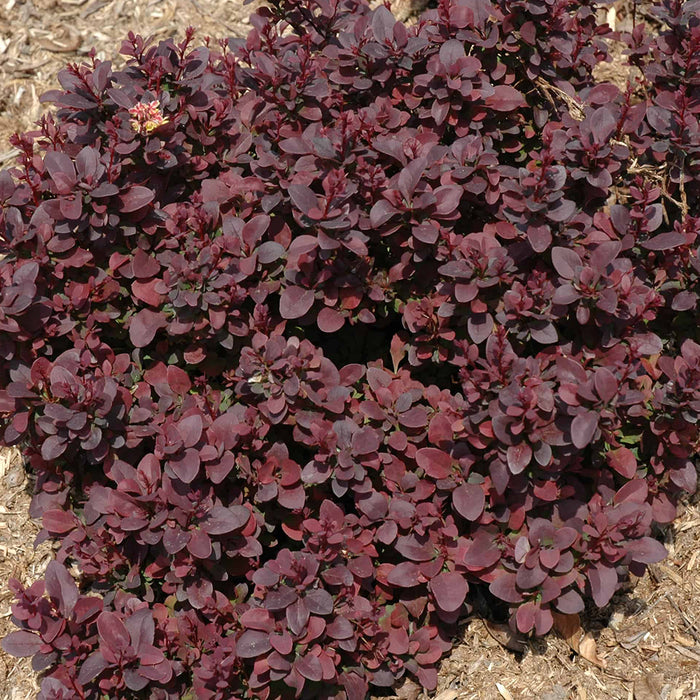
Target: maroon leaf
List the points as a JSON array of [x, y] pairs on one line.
[[469, 500], [583, 428], [450, 590], [61, 587], [646, 550], [21, 643], [113, 632], [58, 522], [404, 575], [144, 325], [135, 198], [295, 302], [434, 462], [303, 198], [603, 581], [329, 320], [565, 262], [505, 99], [310, 667], [623, 461], [220, 520], [665, 241], [253, 643], [519, 457]]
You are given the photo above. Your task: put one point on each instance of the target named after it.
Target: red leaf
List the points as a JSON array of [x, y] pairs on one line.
[[144, 265], [566, 262], [135, 198], [144, 325], [253, 643], [450, 590], [329, 320], [21, 643], [113, 632], [583, 428], [518, 457], [665, 241], [603, 582], [505, 99], [222, 520], [623, 461], [61, 587], [404, 575], [434, 462], [57, 521], [310, 667], [295, 302], [469, 500]]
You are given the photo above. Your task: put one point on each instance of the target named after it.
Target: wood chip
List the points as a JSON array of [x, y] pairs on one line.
[[647, 688], [505, 636], [448, 694], [505, 693]]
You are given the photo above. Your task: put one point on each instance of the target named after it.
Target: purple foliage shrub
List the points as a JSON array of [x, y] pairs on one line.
[[312, 337]]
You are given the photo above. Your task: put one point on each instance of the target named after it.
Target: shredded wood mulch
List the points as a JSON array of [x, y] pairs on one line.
[[644, 646]]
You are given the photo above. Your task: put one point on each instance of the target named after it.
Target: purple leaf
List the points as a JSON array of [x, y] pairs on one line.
[[61, 587], [303, 198], [505, 99], [92, 667], [603, 581], [469, 500], [144, 325], [295, 302], [58, 522], [297, 615], [404, 575], [410, 176], [329, 320], [113, 632], [186, 465], [665, 241], [21, 643], [253, 643], [434, 462], [310, 667], [135, 198], [450, 590], [646, 550], [518, 457], [319, 601], [565, 262], [190, 429], [583, 428], [221, 521]]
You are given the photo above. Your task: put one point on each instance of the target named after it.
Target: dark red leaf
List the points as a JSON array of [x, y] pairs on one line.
[[220, 520], [144, 326], [469, 500], [434, 462], [505, 99], [253, 643], [21, 643], [295, 302], [450, 590], [135, 198], [583, 428]]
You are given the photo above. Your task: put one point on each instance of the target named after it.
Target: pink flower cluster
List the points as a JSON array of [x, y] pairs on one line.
[[147, 117]]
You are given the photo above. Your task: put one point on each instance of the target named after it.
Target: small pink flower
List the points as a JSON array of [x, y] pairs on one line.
[[146, 117]]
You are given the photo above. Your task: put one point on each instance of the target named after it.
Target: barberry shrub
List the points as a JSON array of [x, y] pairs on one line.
[[312, 337]]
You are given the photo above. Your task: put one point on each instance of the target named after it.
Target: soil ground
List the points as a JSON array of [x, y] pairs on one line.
[[644, 646]]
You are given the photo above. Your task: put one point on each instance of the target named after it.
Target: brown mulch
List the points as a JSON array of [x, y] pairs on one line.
[[648, 638]]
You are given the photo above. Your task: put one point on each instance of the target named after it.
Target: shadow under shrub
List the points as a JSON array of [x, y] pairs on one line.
[[305, 334]]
